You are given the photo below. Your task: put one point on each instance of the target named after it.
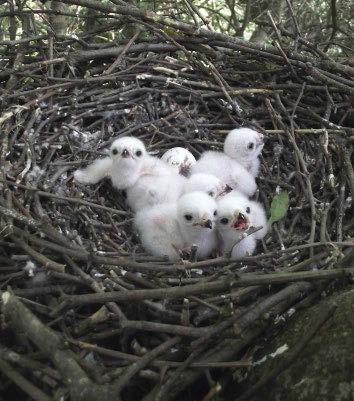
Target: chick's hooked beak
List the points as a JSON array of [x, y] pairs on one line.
[[207, 223], [125, 153]]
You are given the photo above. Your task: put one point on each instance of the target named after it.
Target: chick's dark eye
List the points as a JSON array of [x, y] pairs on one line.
[[188, 217], [138, 153], [211, 193], [114, 151], [248, 209], [224, 220], [250, 145], [215, 212]]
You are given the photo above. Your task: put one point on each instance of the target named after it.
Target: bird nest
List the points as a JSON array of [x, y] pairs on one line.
[[86, 313]]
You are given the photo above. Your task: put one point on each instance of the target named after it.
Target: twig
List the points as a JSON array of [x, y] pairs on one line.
[[144, 361], [50, 343], [221, 285], [25, 385]]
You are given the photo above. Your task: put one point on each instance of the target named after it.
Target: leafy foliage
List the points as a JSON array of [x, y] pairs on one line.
[[327, 24]]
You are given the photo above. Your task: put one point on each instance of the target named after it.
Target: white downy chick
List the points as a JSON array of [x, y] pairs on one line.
[[168, 229], [207, 183], [236, 214], [163, 185], [124, 164], [227, 170], [147, 179], [129, 161], [245, 145], [179, 158]]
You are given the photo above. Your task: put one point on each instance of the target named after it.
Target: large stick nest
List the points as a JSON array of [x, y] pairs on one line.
[[147, 329]]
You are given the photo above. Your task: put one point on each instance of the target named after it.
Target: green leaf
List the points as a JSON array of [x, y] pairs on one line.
[[279, 207]]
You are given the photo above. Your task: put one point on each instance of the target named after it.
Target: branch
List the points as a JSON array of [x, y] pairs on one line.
[[246, 280]]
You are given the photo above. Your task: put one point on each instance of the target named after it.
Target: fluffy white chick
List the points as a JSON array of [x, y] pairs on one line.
[[127, 156], [236, 214], [160, 186], [245, 145], [179, 158], [207, 183], [147, 179], [168, 229], [150, 190], [129, 161], [227, 170]]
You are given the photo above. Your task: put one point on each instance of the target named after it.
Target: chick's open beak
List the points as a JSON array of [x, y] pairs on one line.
[[241, 222], [125, 153]]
